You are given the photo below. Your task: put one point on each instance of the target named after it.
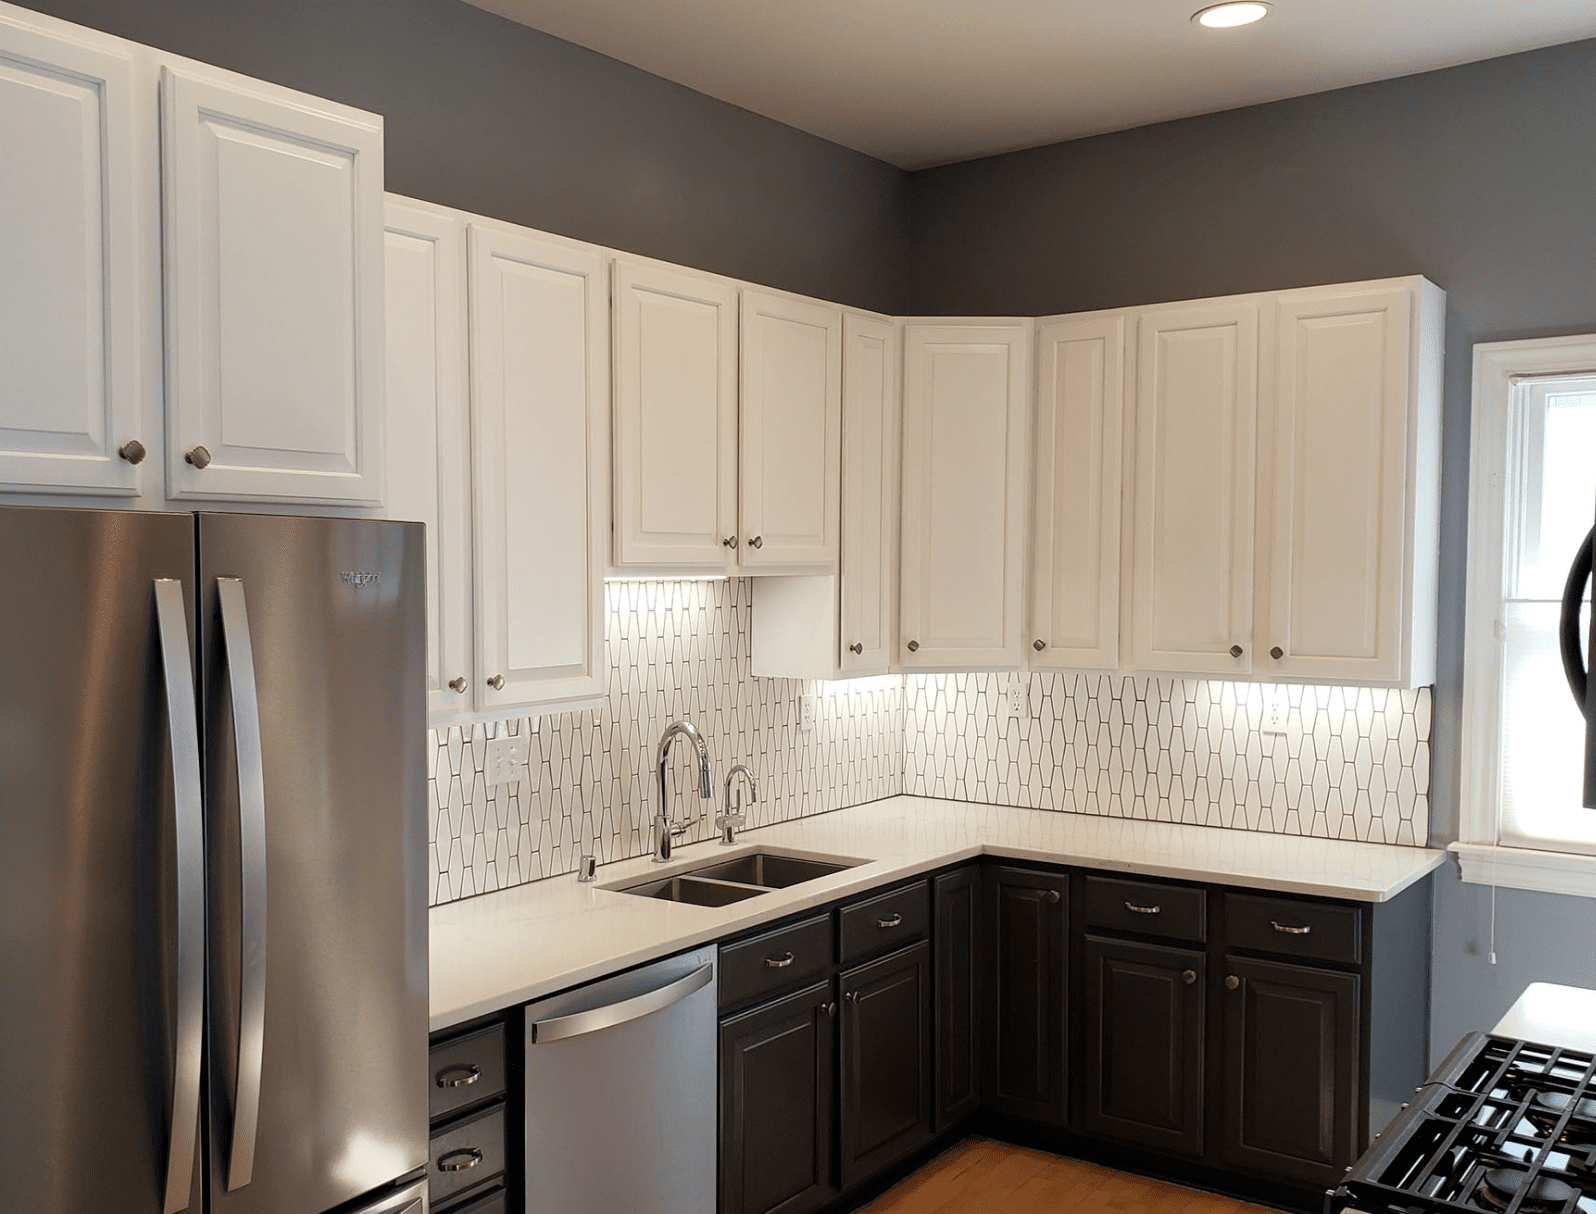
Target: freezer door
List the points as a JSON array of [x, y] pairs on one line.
[[312, 648], [96, 1083]]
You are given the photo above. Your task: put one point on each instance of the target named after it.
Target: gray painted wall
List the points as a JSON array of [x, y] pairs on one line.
[[1481, 177], [502, 120]]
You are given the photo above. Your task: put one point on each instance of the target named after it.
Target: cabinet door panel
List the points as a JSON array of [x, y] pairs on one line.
[[429, 432], [1192, 532], [540, 390], [1335, 531], [1075, 571], [956, 921], [70, 320], [675, 418], [790, 437], [869, 492], [1144, 1044], [1291, 1069], [777, 1068], [1026, 1056], [886, 1061], [274, 268], [965, 421]]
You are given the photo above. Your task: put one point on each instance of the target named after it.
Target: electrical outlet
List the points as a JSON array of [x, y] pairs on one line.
[[1014, 698], [506, 760], [806, 712], [1275, 710]]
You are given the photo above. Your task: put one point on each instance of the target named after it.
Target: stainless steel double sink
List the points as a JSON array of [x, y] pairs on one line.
[[722, 882]]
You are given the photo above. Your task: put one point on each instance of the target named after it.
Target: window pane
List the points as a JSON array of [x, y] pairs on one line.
[[1556, 433]]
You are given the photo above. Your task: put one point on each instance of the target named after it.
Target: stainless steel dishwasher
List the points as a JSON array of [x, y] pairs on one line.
[[621, 1093]]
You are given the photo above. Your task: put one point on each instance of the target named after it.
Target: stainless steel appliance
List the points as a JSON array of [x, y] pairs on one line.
[[212, 849], [620, 1092]]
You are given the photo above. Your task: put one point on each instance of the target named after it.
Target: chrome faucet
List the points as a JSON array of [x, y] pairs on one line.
[[664, 832], [730, 823]]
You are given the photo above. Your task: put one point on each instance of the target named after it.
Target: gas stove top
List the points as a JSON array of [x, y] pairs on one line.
[[1502, 1127]]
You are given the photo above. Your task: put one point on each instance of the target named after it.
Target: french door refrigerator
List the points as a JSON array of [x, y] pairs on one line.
[[212, 839]]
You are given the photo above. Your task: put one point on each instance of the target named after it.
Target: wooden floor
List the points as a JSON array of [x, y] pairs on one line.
[[982, 1177]]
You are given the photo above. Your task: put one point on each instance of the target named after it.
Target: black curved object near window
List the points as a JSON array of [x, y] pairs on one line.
[[1574, 667]]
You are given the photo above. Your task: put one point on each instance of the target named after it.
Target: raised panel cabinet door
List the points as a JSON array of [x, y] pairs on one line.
[[1026, 1059], [1144, 1044], [966, 409], [539, 399], [273, 233], [71, 321], [870, 356], [1075, 520], [778, 1067], [886, 1061], [675, 418], [1290, 1069], [956, 940], [1191, 579], [1336, 529], [429, 431], [790, 435]]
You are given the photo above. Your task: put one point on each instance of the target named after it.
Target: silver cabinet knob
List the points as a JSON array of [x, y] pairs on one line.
[[852, 996], [458, 686], [829, 1008], [496, 682], [1053, 896], [914, 646], [757, 542], [1277, 653], [1236, 651], [133, 451], [729, 542], [1232, 982], [856, 647], [199, 457], [1039, 645], [1188, 976]]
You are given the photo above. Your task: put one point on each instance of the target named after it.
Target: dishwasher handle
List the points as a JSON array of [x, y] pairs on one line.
[[577, 1024]]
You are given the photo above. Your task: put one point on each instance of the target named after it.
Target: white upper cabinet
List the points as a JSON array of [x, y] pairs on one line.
[[1191, 531], [429, 431], [1349, 483], [965, 428], [274, 262], [71, 320], [790, 435], [1075, 522], [540, 387], [870, 492], [675, 415]]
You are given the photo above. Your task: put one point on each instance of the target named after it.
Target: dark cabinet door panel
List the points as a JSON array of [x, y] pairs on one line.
[[955, 922], [1026, 1053], [776, 1105], [1144, 1044], [1292, 1043], [886, 1061]]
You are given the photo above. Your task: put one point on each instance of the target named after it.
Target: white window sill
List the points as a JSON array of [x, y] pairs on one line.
[[1550, 872]]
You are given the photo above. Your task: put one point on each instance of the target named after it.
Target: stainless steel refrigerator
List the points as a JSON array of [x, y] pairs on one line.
[[213, 909]]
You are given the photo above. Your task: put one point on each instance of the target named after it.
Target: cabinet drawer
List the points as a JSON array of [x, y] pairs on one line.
[[496, 1202], [466, 1155], [775, 961], [465, 1070], [1294, 927], [886, 921], [1172, 911]]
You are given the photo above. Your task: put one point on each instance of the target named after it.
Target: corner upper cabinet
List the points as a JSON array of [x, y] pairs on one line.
[[1349, 483], [966, 421], [72, 317], [429, 431], [273, 236], [675, 410], [1190, 535], [1076, 474], [540, 392]]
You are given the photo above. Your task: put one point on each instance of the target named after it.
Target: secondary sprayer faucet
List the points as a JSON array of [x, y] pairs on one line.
[[664, 832], [729, 822]]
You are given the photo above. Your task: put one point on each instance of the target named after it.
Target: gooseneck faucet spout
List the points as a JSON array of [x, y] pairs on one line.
[[664, 831]]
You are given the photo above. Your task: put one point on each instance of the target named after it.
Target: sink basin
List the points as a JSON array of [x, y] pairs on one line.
[[697, 893], [770, 870]]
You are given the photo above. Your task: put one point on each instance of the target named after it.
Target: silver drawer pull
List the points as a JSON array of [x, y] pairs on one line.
[[460, 1161], [459, 1076], [892, 920], [778, 963], [1290, 931], [1155, 909]]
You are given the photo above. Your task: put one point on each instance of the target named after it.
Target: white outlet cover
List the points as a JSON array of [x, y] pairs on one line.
[[507, 757], [1014, 698], [1275, 710], [806, 711]]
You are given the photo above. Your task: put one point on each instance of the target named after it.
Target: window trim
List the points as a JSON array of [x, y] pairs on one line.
[[1497, 367]]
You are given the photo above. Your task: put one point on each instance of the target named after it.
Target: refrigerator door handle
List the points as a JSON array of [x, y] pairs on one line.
[[183, 723], [252, 855]]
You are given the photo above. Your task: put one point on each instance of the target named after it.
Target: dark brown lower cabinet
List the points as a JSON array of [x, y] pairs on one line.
[[1290, 1069], [1144, 1043], [955, 935], [1026, 1054], [886, 1061], [777, 1102]]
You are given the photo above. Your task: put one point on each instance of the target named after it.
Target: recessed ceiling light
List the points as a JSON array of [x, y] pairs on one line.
[[1228, 16]]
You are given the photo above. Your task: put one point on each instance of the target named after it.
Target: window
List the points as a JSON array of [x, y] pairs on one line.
[[1532, 498]]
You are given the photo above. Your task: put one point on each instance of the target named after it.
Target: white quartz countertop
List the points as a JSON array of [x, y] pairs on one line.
[[500, 949], [1552, 1015]]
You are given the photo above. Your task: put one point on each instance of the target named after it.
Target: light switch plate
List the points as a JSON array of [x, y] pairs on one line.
[[506, 760]]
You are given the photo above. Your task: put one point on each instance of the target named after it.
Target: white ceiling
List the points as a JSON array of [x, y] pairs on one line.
[[924, 82]]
